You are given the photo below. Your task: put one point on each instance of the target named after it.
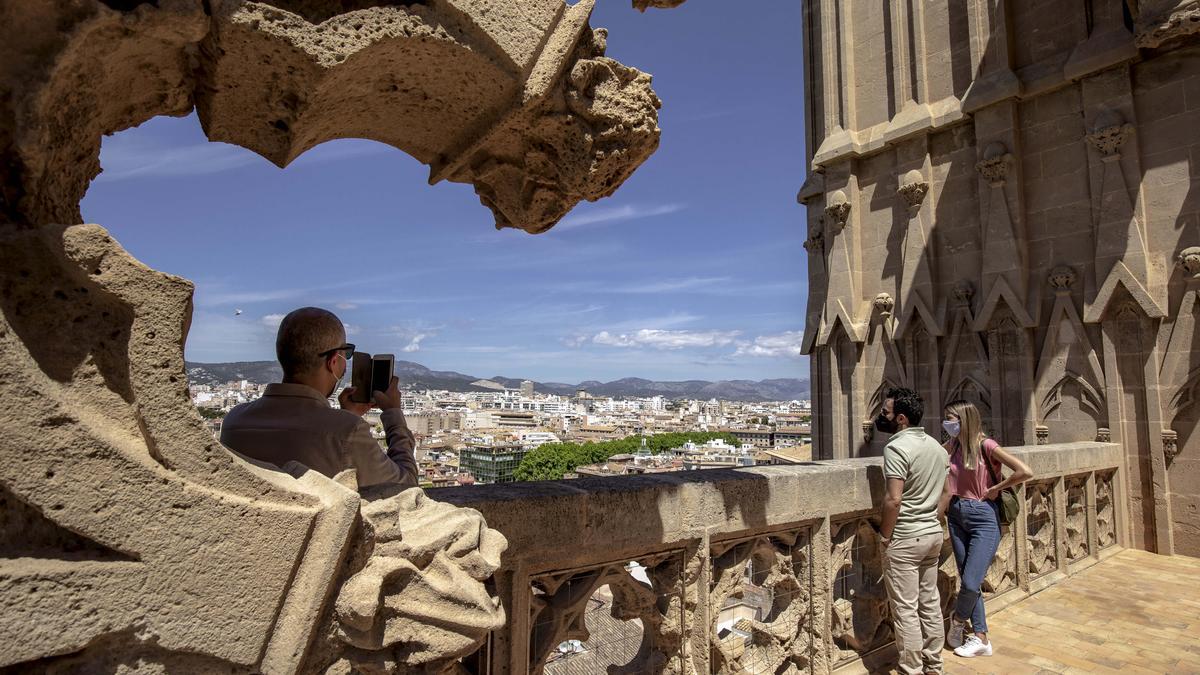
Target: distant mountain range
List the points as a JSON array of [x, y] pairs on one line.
[[417, 376]]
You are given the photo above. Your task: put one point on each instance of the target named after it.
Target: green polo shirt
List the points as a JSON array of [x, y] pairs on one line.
[[922, 463]]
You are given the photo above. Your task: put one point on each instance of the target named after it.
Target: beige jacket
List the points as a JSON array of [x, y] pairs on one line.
[[295, 422]]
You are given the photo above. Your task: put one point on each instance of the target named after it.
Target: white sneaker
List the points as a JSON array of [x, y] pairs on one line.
[[974, 647], [955, 637]]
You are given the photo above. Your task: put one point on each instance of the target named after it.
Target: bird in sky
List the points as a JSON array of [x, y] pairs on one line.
[[237, 312]]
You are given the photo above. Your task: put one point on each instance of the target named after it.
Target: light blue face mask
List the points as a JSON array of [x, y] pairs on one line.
[[952, 428]]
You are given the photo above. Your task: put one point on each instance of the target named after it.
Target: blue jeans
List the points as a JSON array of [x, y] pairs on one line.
[[975, 535]]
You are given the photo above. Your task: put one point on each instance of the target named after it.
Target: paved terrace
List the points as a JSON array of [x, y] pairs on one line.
[[1135, 612]]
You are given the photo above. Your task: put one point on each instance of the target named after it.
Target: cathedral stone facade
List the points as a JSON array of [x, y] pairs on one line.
[[1004, 207]]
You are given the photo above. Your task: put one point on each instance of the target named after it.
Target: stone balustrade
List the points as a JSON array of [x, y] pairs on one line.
[[767, 569]]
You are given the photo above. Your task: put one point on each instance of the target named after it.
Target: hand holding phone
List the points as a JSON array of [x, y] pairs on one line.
[[387, 400], [372, 376]]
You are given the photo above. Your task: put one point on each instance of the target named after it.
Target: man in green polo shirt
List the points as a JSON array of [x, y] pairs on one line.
[[918, 490]]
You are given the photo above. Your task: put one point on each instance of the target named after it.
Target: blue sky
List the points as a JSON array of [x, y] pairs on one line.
[[694, 269]]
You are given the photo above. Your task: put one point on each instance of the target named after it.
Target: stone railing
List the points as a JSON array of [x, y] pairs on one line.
[[767, 569]]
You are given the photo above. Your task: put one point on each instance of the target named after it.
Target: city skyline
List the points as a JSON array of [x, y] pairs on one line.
[[694, 269]]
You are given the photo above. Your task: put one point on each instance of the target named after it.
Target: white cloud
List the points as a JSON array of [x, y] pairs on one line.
[[615, 214], [352, 329], [346, 305], [787, 343], [414, 335], [666, 339], [272, 320], [414, 344], [575, 340]]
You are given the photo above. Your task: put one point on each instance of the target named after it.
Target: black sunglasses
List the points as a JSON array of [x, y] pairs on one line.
[[347, 351]]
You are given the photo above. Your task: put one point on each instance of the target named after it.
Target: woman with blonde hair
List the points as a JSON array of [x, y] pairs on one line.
[[974, 516]]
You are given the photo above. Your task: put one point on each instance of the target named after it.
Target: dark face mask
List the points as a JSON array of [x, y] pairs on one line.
[[885, 425]]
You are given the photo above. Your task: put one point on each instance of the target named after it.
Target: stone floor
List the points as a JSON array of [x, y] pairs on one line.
[[1135, 612]]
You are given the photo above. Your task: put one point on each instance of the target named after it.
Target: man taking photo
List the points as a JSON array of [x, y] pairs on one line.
[[918, 490], [293, 420]]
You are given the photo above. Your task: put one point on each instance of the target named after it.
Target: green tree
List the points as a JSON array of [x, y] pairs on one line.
[[552, 460]]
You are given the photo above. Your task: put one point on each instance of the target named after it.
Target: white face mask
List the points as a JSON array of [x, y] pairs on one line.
[[952, 428], [339, 379]]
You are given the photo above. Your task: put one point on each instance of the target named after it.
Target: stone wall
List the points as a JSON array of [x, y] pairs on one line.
[[801, 541], [1003, 207]]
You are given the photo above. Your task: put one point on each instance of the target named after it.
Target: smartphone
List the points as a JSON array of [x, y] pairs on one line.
[[360, 377], [382, 368]]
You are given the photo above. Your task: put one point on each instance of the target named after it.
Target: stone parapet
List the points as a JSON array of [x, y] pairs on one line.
[[706, 544]]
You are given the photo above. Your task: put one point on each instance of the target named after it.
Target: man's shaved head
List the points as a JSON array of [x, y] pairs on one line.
[[303, 335]]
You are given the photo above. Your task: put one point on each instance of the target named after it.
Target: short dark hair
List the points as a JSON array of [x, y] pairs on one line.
[[303, 335], [906, 402]]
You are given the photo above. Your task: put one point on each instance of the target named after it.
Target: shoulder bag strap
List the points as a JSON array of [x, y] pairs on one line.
[[987, 459]]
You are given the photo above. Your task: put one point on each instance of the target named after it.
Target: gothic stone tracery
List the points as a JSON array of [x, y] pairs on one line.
[[1026, 197]]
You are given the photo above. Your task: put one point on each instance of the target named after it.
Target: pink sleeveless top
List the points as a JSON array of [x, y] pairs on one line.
[[968, 484]]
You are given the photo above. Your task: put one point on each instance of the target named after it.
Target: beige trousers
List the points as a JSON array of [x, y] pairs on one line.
[[910, 573]]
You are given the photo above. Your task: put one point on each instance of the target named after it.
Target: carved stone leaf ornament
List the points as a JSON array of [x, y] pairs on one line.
[[913, 188], [1039, 510], [1076, 522], [994, 166], [837, 211], [1189, 260], [1061, 279], [1109, 139]]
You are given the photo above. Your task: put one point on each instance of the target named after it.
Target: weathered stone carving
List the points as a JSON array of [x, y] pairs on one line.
[[861, 614], [1159, 21], [1106, 523], [517, 98], [559, 611], [837, 211], [884, 304], [1003, 275], [916, 279], [1189, 260], [1002, 573], [913, 187], [154, 544], [1039, 515], [101, 439], [1109, 138], [419, 602], [582, 143], [1042, 432], [1061, 279], [1121, 252], [1069, 370], [778, 569], [994, 165], [1170, 443], [1076, 523], [963, 292], [815, 243], [1103, 435]]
